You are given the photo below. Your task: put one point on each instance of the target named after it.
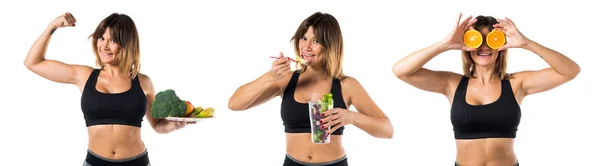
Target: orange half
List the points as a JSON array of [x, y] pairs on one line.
[[495, 39], [473, 38]]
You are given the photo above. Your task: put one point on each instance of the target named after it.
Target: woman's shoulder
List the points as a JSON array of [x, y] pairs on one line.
[[143, 76], [145, 82], [144, 79], [348, 81]]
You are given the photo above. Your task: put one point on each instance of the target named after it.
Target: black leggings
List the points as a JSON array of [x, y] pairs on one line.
[[516, 164], [93, 159], [289, 161]]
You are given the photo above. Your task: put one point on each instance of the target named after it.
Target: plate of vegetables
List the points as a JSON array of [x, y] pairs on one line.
[[167, 105]]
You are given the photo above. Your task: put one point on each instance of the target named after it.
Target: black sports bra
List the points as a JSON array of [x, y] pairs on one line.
[[295, 115], [126, 108], [499, 119]]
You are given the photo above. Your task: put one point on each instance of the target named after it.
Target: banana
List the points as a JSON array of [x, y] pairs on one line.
[[208, 112], [197, 110]]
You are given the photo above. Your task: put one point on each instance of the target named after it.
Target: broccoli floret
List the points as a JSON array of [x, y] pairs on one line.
[[327, 102], [166, 103]]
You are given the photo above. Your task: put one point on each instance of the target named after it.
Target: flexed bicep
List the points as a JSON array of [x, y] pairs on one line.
[[54, 70], [60, 72]]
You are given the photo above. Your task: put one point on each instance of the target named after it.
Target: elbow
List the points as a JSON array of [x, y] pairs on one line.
[[27, 64], [234, 106], [386, 134], [395, 70], [399, 72], [387, 131], [572, 72], [30, 65], [576, 71], [389, 135]]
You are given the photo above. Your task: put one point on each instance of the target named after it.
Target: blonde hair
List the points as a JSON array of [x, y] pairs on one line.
[[499, 64], [124, 33], [328, 32]]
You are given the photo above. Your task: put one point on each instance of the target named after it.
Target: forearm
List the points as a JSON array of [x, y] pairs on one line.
[[37, 52], [416, 60], [247, 94], [559, 62], [375, 126]]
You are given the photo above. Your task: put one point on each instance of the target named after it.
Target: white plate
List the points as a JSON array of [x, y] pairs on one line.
[[186, 119]]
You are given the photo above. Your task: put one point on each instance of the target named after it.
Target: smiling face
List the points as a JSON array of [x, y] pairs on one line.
[[107, 47], [310, 48], [484, 55], [319, 41], [115, 42]]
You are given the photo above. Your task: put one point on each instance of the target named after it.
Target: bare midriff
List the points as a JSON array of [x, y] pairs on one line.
[[488, 152], [115, 141], [300, 147]]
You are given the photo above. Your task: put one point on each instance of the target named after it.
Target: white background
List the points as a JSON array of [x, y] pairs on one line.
[[205, 50]]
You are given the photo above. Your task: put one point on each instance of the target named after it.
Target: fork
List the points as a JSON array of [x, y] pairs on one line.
[[292, 59]]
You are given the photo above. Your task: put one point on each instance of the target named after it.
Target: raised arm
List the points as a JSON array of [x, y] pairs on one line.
[[561, 70], [410, 68], [51, 69], [262, 89]]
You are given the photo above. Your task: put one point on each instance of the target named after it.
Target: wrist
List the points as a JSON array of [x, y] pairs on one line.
[[528, 44], [50, 29], [269, 78], [163, 123], [162, 126], [172, 126], [442, 46], [354, 117]]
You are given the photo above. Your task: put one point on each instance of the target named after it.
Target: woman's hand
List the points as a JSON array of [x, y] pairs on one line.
[[515, 39], [280, 67], [64, 20], [179, 125], [336, 118], [455, 41]]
